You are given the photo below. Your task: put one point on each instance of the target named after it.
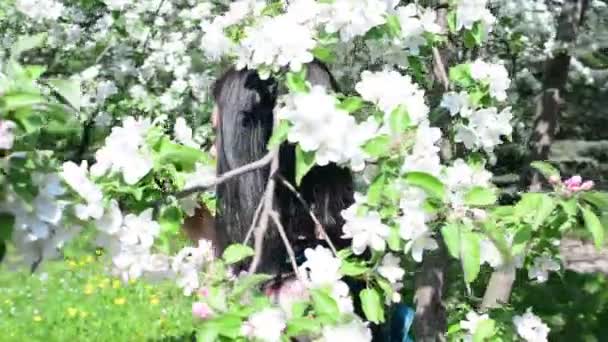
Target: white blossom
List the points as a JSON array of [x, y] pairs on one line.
[[365, 231], [455, 102], [78, 179], [321, 268], [389, 89], [40, 10], [468, 12], [390, 268], [266, 325], [7, 138], [485, 129], [495, 75], [318, 125], [183, 133], [354, 18], [539, 271], [414, 230], [125, 151], [276, 42], [530, 327], [415, 21], [472, 321], [354, 331]]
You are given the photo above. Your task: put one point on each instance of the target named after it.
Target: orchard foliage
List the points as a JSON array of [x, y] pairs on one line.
[[97, 98]]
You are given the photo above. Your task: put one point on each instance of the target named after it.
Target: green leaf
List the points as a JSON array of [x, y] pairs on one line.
[[207, 334], [378, 146], [300, 326], [451, 18], [237, 252], [6, 226], [399, 119], [485, 330], [227, 325], [393, 25], [570, 207], [520, 239], [451, 237], [34, 71], [353, 269], [480, 196], [474, 36], [12, 101], [279, 135], [544, 210], [372, 305], [351, 104], [594, 226], [26, 43], [374, 193], [69, 90], [170, 220], [546, 169], [394, 239], [248, 282], [304, 162], [324, 305], [2, 250], [461, 75], [596, 198], [298, 309], [470, 255], [429, 183], [296, 81], [324, 54], [183, 157]]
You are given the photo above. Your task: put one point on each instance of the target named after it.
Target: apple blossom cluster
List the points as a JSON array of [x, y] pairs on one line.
[[125, 151], [469, 12], [413, 227], [40, 10], [40, 226], [541, 267], [7, 138], [320, 126], [528, 326], [389, 89], [415, 21]]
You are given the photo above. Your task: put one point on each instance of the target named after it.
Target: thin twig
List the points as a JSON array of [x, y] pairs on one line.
[[256, 216], [314, 218], [440, 69], [292, 256], [226, 176], [260, 230]]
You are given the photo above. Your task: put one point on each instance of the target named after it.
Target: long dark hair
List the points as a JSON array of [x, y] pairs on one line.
[[245, 104]]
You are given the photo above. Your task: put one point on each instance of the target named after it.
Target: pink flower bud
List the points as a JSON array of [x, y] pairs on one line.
[[203, 292], [201, 310], [554, 179], [588, 185], [574, 181]]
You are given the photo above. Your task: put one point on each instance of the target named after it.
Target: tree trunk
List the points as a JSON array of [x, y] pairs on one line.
[[430, 322]]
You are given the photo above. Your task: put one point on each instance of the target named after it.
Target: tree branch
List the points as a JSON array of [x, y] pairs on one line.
[[261, 229], [318, 225], [292, 256]]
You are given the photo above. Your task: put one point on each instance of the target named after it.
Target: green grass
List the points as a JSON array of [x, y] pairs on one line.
[[76, 300]]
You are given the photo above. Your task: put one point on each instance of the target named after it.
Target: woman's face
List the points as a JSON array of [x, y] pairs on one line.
[[214, 121]]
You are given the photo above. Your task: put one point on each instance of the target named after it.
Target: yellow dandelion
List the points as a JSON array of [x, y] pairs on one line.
[[89, 259], [72, 264], [115, 283], [88, 289], [37, 318], [120, 300], [83, 314], [72, 312], [99, 252], [8, 302], [154, 300]]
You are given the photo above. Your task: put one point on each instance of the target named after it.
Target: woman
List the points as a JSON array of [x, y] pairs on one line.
[[244, 119]]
